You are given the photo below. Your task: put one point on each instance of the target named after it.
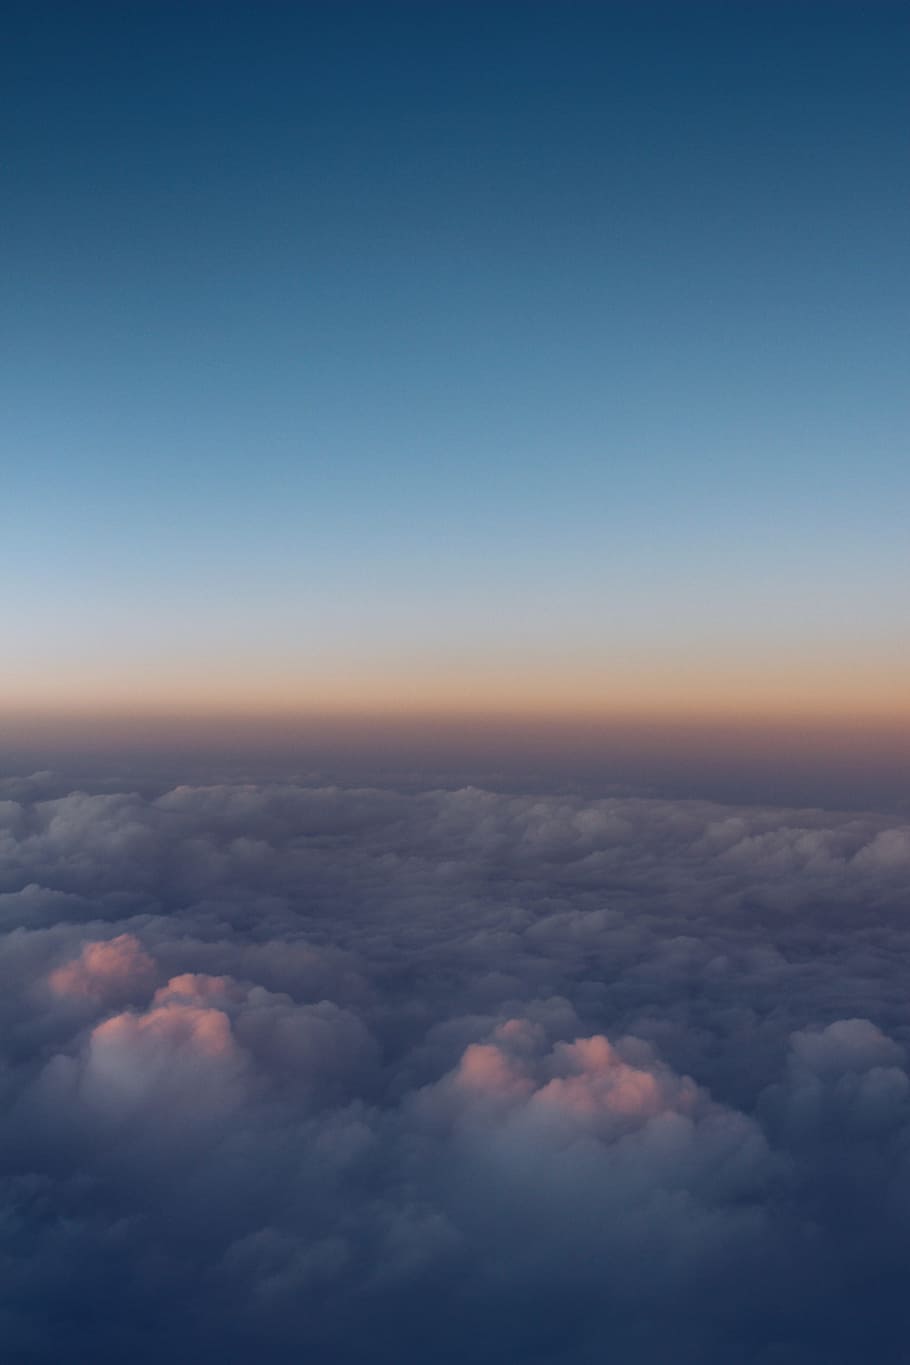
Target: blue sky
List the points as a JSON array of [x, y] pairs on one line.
[[431, 338]]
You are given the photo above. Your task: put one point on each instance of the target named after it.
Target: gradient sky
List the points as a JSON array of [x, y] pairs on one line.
[[455, 357]]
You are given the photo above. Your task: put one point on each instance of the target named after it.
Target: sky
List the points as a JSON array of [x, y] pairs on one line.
[[454, 683], [454, 360]]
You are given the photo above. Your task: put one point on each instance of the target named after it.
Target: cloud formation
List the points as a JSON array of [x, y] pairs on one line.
[[365, 1073], [105, 971]]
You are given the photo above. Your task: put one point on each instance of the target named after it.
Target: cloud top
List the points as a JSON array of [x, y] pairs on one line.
[[306, 1070]]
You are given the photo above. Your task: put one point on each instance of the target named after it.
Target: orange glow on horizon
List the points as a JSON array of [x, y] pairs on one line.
[[648, 685]]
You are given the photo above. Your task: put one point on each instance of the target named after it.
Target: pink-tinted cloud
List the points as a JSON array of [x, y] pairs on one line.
[[196, 988], [203, 1031], [587, 1088], [486, 1071], [597, 1081], [106, 972], [177, 1062]]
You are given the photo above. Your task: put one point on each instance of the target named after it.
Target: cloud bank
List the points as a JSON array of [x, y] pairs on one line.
[[366, 1074]]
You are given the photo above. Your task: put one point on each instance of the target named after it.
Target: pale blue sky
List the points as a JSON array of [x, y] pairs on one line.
[[432, 332]]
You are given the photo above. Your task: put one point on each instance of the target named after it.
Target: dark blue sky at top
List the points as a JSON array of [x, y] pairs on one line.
[[418, 285], [381, 162]]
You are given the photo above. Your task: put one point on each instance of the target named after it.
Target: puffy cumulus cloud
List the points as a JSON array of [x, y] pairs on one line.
[[311, 1046], [292, 1071], [175, 1055], [593, 1164], [203, 1046], [588, 1085], [105, 972], [844, 1083]]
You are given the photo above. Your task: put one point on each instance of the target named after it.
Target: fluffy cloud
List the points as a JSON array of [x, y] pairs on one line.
[[105, 972], [292, 1070]]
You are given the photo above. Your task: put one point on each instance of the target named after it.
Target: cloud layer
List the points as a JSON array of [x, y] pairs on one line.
[[296, 1072]]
